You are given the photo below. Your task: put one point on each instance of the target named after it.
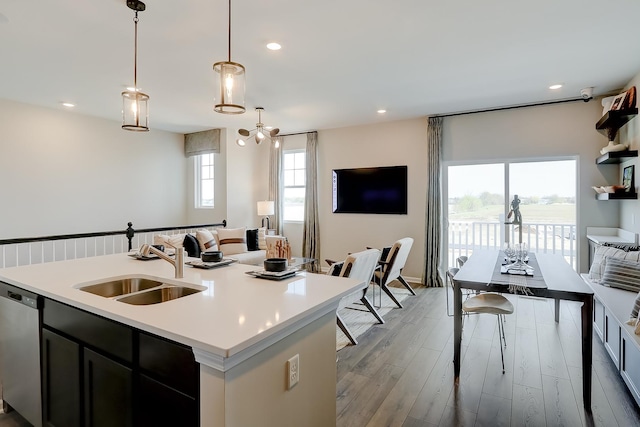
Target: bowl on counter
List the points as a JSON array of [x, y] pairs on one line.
[[275, 265], [211, 256]]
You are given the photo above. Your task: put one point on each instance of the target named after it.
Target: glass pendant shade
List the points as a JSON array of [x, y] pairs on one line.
[[230, 87], [135, 111]]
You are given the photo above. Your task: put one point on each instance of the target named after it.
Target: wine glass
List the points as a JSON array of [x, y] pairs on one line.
[[509, 252]]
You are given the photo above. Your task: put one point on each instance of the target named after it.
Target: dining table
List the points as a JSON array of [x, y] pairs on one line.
[[552, 278]]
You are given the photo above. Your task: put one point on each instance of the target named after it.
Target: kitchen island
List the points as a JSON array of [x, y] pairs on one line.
[[242, 331]]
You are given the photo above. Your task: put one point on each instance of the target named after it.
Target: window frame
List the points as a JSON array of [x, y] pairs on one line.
[[284, 186], [199, 179]]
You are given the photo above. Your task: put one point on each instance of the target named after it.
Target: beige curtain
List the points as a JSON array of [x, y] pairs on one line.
[[433, 219], [276, 183], [311, 231]]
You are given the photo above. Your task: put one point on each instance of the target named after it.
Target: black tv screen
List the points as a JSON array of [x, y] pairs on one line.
[[380, 190]]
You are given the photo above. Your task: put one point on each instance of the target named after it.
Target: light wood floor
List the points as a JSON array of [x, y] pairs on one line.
[[401, 373]]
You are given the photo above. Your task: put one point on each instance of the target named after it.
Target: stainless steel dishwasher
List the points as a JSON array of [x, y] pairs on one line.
[[20, 351]]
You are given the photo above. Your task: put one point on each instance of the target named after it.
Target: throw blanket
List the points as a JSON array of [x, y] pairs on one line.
[[518, 283]]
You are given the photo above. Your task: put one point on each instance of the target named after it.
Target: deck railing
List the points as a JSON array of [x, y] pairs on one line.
[[464, 237]]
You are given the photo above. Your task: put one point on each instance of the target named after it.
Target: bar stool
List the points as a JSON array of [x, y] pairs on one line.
[[492, 303]]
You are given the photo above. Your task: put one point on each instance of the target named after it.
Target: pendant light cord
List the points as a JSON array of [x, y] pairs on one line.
[[229, 30], [135, 53]]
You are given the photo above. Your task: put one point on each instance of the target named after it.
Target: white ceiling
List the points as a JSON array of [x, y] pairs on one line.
[[341, 60]]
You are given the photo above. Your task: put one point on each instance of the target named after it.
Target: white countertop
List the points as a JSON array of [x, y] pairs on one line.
[[234, 313], [602, 235]]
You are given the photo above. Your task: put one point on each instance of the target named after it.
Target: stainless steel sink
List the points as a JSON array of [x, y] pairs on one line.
[[119, 287], [155, 296]]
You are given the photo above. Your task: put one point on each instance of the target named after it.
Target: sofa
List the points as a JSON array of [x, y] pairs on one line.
[[614, 276], [245, 245]]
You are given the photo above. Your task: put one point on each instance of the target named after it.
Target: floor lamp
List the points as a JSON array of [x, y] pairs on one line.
[[266, 208]]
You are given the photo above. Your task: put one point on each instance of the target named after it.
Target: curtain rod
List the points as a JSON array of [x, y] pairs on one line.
[[512, 107], [297, 133]]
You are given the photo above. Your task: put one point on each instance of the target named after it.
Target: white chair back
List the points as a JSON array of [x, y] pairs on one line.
[[402, 247], [360, 265]]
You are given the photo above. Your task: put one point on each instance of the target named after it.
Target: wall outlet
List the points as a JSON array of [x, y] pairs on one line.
[[293, 371]]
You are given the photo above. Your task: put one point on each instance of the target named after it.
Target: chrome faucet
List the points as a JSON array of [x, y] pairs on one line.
[[178, 262]]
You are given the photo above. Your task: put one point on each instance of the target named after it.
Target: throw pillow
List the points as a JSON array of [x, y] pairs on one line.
[[262, 241], [206, 240], [625, 247], [191, 245], [600, 260], [252, 240], [636, 307], [622, 274], [173, 241], [232, 240]]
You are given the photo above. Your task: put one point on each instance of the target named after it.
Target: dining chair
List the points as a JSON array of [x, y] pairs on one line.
[[392, 266], [359, 265], [492, 303]]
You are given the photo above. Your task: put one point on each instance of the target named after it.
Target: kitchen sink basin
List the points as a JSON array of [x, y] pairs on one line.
[[119, 287], [155, 296]]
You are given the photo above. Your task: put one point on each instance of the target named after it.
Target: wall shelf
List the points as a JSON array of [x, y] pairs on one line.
[[616, 157], [616, 196], [613, 120]]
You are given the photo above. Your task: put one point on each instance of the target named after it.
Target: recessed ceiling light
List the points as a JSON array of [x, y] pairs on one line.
[[274, 46], [554, 87], [382, 111], [68, 104]]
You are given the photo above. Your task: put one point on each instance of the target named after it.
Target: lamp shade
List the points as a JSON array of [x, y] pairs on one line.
[[230, 87], [135, 111], [266, 207]]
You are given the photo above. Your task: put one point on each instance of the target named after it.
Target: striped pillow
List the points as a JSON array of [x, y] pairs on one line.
[[206, 240], [621, 274], [636, 307], [233, 240]]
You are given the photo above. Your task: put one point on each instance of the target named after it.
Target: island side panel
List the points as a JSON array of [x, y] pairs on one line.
[[255, 392]]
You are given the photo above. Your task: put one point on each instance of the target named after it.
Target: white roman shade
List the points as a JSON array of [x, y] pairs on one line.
[[204, 142]]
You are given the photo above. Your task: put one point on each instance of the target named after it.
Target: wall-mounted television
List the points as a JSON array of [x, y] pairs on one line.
[[378, 190]]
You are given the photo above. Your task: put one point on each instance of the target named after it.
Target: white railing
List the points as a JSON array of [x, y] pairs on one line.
[[464, 237], [66, 247]]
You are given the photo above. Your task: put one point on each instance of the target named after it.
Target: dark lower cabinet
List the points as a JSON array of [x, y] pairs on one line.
[[61, 381], [117, 376], [108, 392], [163, 406]]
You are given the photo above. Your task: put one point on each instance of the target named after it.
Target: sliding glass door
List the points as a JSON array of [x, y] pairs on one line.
[[479, 197]]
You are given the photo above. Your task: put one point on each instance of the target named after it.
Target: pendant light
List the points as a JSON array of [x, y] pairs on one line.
[[135, 107], [229, 83]]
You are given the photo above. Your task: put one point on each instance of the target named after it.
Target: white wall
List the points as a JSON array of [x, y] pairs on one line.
[[63, 173], [541, 132], [630, 134], [387, 144], [247, 181]]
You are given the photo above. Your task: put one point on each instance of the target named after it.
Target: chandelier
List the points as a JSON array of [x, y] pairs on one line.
[[135, 108], [260, 133]]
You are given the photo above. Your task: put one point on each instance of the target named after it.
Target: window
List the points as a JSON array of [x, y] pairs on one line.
[[204, 171], [479, 200], [294, 185]]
